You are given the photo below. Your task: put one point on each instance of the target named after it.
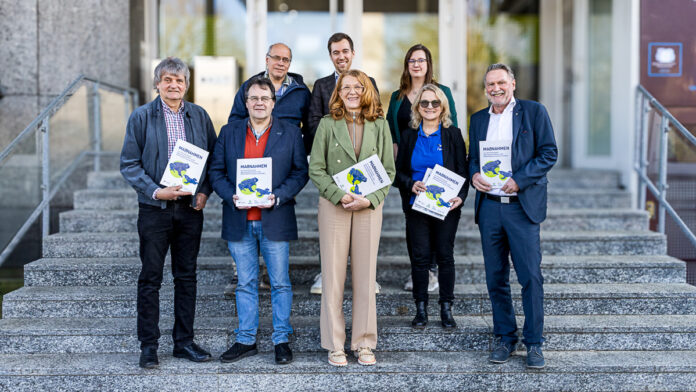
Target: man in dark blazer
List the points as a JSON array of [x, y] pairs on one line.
[[269, 227], [167, 217], [341, 51], [509, 217]]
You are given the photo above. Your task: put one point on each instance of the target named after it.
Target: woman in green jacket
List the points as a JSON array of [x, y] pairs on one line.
[[350, 224], [418, 71]]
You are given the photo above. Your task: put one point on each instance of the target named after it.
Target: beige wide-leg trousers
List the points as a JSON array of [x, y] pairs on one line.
[[342, 232]]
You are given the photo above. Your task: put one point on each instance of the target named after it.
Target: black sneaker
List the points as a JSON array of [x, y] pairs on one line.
[[238, 351], [535, 358], [502, 352]]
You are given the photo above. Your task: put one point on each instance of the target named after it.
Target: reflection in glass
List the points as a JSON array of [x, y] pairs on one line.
[[599, 77], [305, 28], [202, 27], [502, 32]]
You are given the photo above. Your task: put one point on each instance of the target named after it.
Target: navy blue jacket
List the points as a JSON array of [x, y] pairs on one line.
[[292, 106], [145, 147], [453, 158], [285, 147], [534, 153]]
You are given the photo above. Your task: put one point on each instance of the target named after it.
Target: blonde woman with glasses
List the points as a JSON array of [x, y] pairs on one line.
[[431, 140], [350, 225]]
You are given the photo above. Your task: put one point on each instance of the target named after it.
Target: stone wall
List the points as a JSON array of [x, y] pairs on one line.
[[44, 44]]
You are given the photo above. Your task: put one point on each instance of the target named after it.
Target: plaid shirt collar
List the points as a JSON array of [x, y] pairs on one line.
[[284, 86], [169, 111]]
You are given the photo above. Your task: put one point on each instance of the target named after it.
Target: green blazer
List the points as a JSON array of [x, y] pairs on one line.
[[332, 152], [395, 105]]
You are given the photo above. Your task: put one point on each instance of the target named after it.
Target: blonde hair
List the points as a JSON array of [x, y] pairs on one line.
[[370, 105], [445, 115]]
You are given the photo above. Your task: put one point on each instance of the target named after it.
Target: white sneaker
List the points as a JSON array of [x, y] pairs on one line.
[[316, 286], [365, 356], [338, 358], [409, 284], [377, 288], [433, 284]]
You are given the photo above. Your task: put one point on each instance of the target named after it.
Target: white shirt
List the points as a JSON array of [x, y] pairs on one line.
[[500, 128]]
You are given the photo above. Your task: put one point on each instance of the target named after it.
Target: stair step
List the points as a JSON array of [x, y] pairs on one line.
[[473, 333], [125, 198], [395, 371], [391, 243], [120, 221], [391, 270], [559, 299], [558, 177]]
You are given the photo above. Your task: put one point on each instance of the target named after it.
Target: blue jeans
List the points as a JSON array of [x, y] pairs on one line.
[[276, 255]]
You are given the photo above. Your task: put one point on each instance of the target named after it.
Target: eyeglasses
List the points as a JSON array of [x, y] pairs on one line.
[[357, 89], [279, 59], [257, 99], [425, 103], [414, 61]]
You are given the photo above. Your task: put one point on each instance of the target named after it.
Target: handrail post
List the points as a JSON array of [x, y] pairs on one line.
[[662, 182], [96, 115], [45, 177], [643, 153]]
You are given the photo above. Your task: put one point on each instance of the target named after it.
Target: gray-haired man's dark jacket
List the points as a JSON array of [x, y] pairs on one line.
[[145, 147]]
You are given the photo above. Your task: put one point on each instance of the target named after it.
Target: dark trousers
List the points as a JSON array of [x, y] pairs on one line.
[[506, 230], [177, 227], [426, 235]]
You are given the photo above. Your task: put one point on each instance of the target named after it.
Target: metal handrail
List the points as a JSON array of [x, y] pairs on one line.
[[41, 123], [644, 100], [55, 105]]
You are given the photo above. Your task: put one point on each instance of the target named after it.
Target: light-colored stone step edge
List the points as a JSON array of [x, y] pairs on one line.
[[566, 291], [653, 364], [598, 235], [400, 324], [553, 261], [473, 333], [391, 243], [390, 270]]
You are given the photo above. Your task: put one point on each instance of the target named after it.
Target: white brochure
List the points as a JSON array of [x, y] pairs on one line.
[[254, 181], [442, 185], [495, 159], [185, 166], [364, 177]]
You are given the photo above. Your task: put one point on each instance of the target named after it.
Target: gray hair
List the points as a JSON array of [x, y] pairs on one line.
[[171, 65], [445, 114], [268, 53], [495, 66]]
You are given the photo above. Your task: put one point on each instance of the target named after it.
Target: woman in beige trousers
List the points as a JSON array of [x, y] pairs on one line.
[[350, 224]]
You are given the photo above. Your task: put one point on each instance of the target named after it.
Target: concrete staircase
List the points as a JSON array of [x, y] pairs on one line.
[[619, 314]]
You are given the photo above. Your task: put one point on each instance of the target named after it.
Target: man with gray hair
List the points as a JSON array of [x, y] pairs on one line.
[[509, 217], [168, 218]]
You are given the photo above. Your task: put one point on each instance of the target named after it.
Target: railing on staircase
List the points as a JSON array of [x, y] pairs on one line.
[[39, 161], [662, 142]]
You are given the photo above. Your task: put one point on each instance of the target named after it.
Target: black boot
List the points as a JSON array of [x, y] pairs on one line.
[[421, 319], [446, 315]]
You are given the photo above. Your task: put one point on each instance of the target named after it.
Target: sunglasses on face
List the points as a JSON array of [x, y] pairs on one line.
[[435, 103]]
